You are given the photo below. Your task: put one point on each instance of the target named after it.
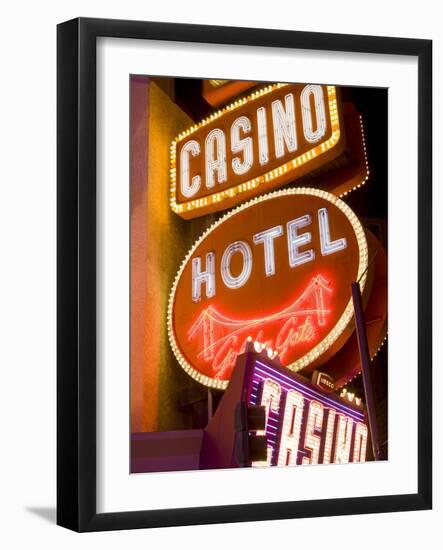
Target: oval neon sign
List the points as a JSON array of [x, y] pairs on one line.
[[277, 269]]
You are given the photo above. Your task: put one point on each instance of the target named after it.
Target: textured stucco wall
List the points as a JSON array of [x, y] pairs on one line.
[[159, 241]]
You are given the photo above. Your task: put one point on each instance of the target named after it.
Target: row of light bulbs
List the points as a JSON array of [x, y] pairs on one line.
[[265, 178]]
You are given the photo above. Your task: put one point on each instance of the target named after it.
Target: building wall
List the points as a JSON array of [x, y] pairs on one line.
[[159, 241]]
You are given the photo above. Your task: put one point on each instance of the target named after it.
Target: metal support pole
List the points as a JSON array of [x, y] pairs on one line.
[[210, 405], [366, 369]]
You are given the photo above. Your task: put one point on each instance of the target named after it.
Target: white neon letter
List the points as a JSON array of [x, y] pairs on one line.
[[267, 238], [207, 277], [343, 439], [283, 120], [262, 136], [312, 440], [215, 154], [239, 145], [188, 189], [328, 246], [270, 398], [229, 279], [329, 437], [312, 135], [290, 436], [360, 441], [295, 241]]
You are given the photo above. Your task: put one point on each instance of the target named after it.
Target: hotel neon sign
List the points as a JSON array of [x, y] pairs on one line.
[[277, 269]]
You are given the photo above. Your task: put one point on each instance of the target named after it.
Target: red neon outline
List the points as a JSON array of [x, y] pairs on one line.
[[210, 317]]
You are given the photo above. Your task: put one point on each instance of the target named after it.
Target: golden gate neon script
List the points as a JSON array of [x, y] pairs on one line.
[[221, 339]]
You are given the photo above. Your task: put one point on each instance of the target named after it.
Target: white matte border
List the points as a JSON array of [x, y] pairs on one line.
[[116, 489]]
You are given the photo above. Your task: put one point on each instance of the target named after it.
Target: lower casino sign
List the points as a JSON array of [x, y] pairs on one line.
[[277, 269], [304, 425]]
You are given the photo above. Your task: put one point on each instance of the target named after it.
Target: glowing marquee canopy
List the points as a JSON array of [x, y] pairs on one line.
[[271, 137], [278, 270], [303, 424]]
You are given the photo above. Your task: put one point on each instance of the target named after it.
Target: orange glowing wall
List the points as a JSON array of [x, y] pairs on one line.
[[159, 241]]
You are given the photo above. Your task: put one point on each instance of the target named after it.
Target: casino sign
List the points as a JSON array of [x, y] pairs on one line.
[[277, 270], [304, 425], [260, 142], [270, 416]]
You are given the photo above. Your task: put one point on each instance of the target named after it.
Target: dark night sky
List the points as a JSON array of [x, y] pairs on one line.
[[372, 199]]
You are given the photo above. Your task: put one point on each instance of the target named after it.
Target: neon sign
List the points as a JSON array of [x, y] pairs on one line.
[[277, 269], [303, 424], [258, 143], [223, 339]]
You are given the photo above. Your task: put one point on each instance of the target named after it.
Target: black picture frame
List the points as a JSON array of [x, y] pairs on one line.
[[76, 265]]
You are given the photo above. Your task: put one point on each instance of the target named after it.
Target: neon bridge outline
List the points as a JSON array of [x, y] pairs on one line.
[[316, 288]]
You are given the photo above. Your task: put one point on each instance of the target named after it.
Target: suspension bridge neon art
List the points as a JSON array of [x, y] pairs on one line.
[[222, 338]]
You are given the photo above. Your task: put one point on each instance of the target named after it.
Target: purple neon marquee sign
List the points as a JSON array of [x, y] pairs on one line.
[[303, 424]]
